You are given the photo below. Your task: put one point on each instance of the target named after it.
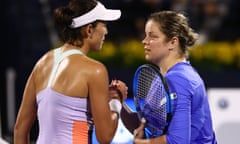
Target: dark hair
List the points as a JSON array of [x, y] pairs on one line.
[[174, 24], [63, 17]]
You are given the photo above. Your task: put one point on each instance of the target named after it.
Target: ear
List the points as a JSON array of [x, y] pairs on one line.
[[88, 31], [173, 43]]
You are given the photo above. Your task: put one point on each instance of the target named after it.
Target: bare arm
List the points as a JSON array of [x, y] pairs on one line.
[[139, 135], [158, 140], [26, 114], [105, 120], [129, 118]]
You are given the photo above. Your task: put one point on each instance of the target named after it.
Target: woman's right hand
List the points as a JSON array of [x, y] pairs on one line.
[[118, 89]]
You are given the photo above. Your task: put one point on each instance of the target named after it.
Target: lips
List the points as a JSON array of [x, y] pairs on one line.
[[147, 50]]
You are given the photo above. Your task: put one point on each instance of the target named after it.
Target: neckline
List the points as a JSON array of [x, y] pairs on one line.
[[69, 47], [179, 63]]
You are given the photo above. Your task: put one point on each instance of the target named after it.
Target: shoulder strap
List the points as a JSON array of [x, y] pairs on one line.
[[58, 57]]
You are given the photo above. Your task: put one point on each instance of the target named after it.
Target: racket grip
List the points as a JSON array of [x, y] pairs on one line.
[[115, 105]]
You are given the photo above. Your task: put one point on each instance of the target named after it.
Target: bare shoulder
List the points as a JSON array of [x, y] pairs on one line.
[[44, 64], [45, 59], [96, 67], [42, 70]]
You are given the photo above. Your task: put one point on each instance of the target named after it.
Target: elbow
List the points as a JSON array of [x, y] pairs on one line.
[[16, 134], [16, 129], [20, 134], [104, 138]]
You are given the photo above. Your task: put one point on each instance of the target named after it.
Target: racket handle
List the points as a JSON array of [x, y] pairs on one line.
[[115, 105]]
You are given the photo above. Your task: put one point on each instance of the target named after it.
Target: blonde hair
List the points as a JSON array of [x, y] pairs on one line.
[[174, 24]]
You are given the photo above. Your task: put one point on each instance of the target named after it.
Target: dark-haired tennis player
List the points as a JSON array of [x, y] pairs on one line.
[[168, 36], [69, 91]]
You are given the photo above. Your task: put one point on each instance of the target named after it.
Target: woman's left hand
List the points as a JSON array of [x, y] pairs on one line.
[[141, 141], [139, 134]]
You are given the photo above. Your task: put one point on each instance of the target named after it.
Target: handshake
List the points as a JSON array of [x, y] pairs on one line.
[[118, 90], [117, 94]]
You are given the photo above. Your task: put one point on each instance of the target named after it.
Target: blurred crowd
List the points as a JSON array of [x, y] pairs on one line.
[[214, 20], [28, 33]]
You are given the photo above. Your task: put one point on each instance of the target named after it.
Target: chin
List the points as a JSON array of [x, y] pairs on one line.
[[147, 58]]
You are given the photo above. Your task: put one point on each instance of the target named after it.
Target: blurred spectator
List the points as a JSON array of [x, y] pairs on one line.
[[205, 16], [213, 17], [179, 5], [134, 14], [230, 27], [194, 11]]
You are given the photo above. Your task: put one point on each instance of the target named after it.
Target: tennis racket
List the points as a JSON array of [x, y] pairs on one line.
[[152, 99]]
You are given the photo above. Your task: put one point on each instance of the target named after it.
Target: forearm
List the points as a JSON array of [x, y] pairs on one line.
[[21, 137], [159, 140], [22, 129], [108, 123], [129, 118], [106, 131]]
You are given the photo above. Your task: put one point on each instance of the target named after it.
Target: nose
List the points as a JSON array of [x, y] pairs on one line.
[[106, 31], [144, 41]]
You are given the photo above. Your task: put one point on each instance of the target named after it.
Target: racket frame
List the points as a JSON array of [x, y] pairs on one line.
[[166, 92]]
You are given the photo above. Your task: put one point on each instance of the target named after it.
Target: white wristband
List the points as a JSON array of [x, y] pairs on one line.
[[115, 105]]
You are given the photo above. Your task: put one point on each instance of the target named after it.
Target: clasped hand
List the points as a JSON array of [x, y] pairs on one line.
[[118, 90]]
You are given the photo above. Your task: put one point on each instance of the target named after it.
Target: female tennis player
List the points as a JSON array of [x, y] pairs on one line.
[[168, 36], [69, 91]]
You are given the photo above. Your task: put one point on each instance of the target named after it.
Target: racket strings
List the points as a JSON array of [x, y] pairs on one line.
[[151, 92]]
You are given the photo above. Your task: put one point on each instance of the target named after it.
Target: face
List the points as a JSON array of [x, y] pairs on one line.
[[155, 43], [98, 36]]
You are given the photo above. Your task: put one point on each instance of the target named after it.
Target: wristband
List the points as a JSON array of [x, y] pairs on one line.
[[115, 105]]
